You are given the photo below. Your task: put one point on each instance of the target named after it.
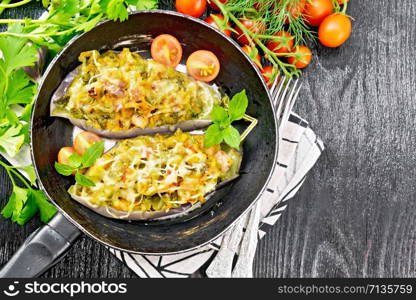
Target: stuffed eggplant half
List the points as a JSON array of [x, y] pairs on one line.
[[154, 177], [122, 95]]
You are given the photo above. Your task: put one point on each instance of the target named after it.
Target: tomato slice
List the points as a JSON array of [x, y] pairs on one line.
[[166, 50], [84, 140], [203, 65]]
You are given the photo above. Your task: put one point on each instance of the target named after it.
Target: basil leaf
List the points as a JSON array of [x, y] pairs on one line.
[[92, 153], [75, 160], [213, 136], [238, 105], [83, 180], [64, 169], [232, 137], [218, 114]]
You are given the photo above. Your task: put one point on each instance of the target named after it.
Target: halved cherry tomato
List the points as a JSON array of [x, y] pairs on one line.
[[215, 6], [334, 30], [294, 9], [283, 43], [211, 21], [64, 154], [254, 54], [194, 8], [84, 140], [203, 65], [255, 26], [166, 50], [302, 58], [268, 72], [317, 10]]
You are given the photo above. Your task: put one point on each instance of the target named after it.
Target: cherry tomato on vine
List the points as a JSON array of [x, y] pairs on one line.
[[215, 6], [282, 44], [254, 26], [254, 54], [84, 140], [334, 30], [302, 58], [212, 21], [203, 65], [294, 9], [268, 72], [317, 10], [194, 8], [167, 50]]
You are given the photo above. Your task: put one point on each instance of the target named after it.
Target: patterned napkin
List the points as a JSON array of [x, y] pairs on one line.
[[299, 150]]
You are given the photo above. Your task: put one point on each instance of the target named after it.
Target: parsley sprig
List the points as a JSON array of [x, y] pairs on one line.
[[67, 18], [76, 163], [25, 202], [221, 130]]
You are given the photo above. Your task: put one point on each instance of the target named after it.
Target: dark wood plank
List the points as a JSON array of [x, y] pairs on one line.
[[355, 214]]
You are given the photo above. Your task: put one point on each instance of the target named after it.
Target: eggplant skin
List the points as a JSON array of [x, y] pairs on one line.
[[167, 129], [173, 213], [112, 213]]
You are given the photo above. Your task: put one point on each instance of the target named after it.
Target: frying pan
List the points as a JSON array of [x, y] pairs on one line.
[[49, 243]]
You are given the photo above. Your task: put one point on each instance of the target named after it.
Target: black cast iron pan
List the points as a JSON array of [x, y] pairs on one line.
[[203, 225]]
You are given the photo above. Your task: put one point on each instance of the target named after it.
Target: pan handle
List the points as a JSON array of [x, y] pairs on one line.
[[42, 249]]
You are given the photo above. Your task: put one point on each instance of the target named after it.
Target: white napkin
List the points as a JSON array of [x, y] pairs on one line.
[[298, 151]]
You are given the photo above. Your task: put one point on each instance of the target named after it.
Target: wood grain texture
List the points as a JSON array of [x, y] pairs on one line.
[[355, 214]]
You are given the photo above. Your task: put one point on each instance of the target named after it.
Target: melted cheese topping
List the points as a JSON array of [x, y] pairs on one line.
[[152, 173], [120, 91]]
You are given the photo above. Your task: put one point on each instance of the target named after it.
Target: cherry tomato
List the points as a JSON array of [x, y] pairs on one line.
[[282, 44], [334, 30], [215, 6], [303, 57], [203, 65], [317, 10], [294, 9], [194, 8], [84, 140], [268, 72], [253, 53], [211, 21], [166, 50], [64, 154], [255, 26]]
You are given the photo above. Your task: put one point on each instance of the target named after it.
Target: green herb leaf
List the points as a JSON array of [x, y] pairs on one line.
[[115, 9], [64, 169], [213, 136], [232, 137], [30, 171], [15, 204], [238, 105], [144, 4], [46, 209], [92, 153], [11, 140], [219, 115], [75, 160], [83, 180], [17, 53], [20, 89], [28, 211]]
